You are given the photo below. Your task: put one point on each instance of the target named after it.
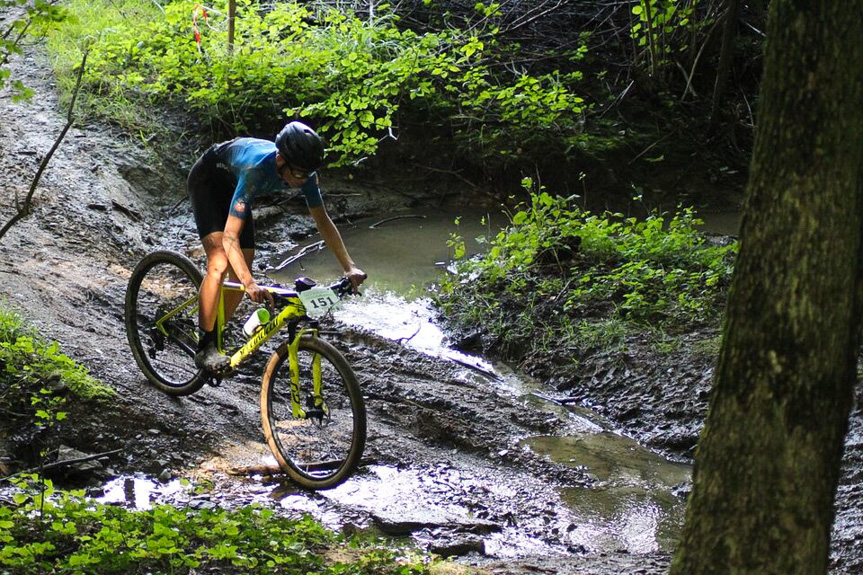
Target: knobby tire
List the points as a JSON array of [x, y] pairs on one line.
[[315, 454], [159, 283]]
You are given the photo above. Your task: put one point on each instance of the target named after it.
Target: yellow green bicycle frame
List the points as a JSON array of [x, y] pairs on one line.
[[160, 323], [294, 310]]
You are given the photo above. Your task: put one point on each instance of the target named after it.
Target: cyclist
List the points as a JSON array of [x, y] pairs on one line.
[[223, 184]]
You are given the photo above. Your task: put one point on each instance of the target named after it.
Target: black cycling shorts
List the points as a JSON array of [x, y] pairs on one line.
[[211, 189]]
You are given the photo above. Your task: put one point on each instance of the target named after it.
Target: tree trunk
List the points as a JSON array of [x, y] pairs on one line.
[[232, 14], [768, 461]]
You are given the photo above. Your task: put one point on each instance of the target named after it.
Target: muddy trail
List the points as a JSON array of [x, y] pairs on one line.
[[478, 463]]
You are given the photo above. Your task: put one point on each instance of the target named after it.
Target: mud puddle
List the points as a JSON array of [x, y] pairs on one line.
[[454, 502]]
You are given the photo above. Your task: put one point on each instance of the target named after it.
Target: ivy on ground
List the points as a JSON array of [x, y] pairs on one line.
[[50, 531]]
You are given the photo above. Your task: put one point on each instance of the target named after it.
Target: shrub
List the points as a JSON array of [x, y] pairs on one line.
[[351, 78], [45, 530], [564, 270], [32, 370]]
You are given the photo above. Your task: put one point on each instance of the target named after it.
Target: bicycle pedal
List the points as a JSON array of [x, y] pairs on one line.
[[215, 381]]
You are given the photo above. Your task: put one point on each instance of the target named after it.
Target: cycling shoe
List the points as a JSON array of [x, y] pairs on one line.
[[210, 359]]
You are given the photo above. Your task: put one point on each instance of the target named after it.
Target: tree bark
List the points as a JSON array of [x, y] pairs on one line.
[[768, 461], [232, 15]]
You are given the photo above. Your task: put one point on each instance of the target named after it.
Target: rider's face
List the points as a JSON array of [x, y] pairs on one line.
[[291, 175]]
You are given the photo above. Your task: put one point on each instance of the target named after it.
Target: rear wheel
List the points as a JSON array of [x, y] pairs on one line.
[[321, 447], [161, 321]]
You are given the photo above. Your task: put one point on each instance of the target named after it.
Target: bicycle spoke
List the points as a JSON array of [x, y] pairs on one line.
[[161, 318], [323, 444]]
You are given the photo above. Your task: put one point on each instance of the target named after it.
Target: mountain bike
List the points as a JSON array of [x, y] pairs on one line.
[[312, 409]]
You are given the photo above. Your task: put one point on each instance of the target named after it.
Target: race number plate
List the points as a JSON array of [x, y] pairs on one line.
[[318, 301]]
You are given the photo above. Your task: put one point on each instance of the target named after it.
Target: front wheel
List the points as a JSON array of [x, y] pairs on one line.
[[317, 437], [161, 321]]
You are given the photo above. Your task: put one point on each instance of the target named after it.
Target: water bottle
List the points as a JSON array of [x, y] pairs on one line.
[[255, 321]]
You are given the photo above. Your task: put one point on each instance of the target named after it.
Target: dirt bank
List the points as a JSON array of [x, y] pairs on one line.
[[452, 435]]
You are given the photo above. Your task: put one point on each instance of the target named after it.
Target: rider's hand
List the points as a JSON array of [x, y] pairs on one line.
[[356, 277], [258, 294]]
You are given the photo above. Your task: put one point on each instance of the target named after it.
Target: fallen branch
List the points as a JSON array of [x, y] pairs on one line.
[[315, 247], [406, 339], [24, 209], [449, 172], [63, 463], [393, 218], [275, 470]]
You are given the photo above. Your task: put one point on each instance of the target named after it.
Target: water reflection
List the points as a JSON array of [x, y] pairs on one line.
[[400, 255], [612, 458], [137, 492], [629, 517], [633, 506]]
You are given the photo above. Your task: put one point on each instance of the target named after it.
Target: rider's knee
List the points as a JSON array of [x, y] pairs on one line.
[[217, 267]]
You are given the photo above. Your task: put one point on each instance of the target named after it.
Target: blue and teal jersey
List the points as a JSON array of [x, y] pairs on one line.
[[253, 163]]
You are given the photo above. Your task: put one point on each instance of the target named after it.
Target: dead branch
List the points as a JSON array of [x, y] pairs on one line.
[[64, 463], [24, 209], [531, 16]]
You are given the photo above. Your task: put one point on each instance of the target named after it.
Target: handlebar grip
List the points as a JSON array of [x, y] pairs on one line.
[[343, 287]]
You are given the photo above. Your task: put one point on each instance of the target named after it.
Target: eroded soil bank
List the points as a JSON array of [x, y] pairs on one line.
[[448, 462]]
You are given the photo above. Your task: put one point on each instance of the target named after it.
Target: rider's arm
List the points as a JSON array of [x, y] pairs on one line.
[[333, 239], [231, 245]]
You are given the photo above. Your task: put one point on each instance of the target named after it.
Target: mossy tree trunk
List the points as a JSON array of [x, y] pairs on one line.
[[768, 460]]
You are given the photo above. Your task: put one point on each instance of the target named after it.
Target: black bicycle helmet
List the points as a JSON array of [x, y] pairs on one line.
[[300, 146]]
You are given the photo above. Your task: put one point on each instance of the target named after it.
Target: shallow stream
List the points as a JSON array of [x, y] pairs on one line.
[[632, 506]]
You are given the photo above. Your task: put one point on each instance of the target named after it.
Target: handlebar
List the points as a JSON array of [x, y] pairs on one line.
[[342, 287]]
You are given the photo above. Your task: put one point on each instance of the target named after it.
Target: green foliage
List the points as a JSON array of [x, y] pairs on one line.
[[352, 79], [32, 371], [560, 276], [663, 28], [49, 531], [39, 12]]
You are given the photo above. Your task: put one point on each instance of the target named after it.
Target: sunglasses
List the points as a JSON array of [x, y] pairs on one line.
[[295, 172]]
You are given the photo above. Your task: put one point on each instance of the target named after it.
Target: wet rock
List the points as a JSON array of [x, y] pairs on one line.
[[202, 504], [85, 468], [460, 545], [402, 523]]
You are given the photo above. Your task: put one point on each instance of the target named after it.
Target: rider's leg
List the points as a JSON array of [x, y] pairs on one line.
[[217, 267], [233, 298], [208, 355]]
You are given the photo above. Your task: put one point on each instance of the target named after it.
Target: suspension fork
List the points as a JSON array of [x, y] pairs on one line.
[[317, 385]]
